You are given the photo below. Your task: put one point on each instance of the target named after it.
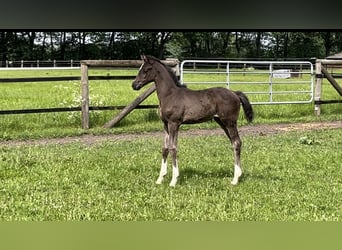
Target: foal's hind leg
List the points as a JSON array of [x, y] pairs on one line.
[[165, 152], [230, 128], [236, 142]]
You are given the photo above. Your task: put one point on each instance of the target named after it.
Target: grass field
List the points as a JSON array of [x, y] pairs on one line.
[[113, 92], [287, 177]]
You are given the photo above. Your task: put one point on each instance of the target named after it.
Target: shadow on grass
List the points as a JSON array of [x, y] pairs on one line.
[[192, 173]]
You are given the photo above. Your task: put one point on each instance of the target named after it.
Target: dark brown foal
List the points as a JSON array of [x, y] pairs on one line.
[[180, 105]]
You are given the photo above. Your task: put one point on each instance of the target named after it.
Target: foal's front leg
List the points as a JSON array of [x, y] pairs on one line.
[[165, 152], [173, 138]]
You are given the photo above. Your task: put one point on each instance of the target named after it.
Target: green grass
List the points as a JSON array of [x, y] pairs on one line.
[[287, 177], [113, 92]]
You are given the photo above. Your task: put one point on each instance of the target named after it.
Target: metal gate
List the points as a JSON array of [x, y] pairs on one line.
[[265, 82]]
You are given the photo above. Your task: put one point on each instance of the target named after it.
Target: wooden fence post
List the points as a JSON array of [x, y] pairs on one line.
[[84, 96], [172, 62], [318, 88]]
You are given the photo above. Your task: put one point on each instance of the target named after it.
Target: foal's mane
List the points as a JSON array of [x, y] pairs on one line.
[[170, 71]]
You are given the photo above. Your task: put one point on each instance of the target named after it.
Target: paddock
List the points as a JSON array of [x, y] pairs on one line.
[[97, 174]]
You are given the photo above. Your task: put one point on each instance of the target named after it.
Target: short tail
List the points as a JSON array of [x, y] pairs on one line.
[[247, 107]]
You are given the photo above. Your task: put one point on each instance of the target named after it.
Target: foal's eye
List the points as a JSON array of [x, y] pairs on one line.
[[146, 69]]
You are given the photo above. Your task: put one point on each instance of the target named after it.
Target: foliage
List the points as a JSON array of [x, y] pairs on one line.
[[63, 45]]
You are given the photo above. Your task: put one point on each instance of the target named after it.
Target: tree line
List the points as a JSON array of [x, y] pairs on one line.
[[66, 45]]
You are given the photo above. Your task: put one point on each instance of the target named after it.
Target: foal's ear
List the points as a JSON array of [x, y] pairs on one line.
[[149, 59], [143, 57]]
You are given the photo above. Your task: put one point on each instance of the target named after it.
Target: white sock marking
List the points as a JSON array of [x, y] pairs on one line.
[[237, 174], [163, 172], [175, 174]]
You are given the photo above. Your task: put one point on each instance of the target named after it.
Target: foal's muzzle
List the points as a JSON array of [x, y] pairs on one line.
[[136, 85]]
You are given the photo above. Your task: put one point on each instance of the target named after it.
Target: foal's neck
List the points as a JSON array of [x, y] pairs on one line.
[[164, 82]]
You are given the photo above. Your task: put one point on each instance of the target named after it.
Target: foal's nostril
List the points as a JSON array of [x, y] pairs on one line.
[[135, 85]]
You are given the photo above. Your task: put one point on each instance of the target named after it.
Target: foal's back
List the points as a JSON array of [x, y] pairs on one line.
[[194, 106], [212, 96]]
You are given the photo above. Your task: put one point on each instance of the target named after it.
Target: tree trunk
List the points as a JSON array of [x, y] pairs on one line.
[[52, 53], [286, 42], [30, 53], [165, 37], [42, 49], [328, 43], [258, 44], [3, 48], [82, 41], [225, 43], [276, 53], [237, 44], [62, 45]]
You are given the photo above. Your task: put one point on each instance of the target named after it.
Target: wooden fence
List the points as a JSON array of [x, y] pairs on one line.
[[173, 63], [322, 66], [321, 72], [84, 80], [59, 79]]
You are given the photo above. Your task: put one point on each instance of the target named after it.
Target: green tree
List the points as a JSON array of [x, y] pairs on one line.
[[65, 45], [306, 45]]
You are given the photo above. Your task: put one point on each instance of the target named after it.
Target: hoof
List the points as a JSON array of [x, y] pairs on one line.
[[159, 181], [234, 182], [173, 183]]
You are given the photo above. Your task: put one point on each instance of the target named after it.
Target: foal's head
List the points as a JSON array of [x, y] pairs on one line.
[[150, 69], [146, 73]]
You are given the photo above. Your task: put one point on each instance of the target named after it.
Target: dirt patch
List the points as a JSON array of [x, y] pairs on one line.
[[281, 128], [258, 130]]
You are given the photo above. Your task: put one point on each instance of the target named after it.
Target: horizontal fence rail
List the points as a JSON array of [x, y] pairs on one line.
[[60, 79], [9, 64], [69, 109], [83, 79], [63, 78], [267, 77]]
